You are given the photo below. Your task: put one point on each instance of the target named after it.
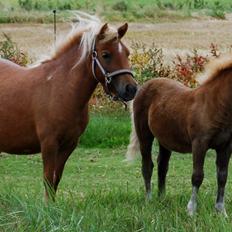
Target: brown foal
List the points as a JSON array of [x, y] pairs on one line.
[[185, 120], [45, 108]]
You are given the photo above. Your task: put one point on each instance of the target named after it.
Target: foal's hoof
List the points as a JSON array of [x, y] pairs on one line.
[[221, 209], [161, 194], [148, 196], [191, 207]]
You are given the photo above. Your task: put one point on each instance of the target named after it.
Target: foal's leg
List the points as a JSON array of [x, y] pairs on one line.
[[222, 162], [162, 160], [147, 164], [199, 150], [49, 149], [145, 140]]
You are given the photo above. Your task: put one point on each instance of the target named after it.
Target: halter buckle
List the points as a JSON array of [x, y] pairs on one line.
[[108, 78], [94, 54]]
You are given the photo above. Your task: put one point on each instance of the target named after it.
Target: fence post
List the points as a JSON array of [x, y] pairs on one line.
[[54, 22]]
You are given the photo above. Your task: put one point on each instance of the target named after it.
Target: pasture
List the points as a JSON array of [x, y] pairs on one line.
[[100, 192]]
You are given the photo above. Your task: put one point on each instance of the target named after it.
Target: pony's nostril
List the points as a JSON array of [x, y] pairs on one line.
[[131, 89]]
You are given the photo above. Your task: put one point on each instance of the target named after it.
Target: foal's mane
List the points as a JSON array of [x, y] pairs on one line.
[[84, 32], [214, 68]]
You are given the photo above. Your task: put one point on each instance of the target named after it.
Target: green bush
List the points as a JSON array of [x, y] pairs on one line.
[[218, 11], [120, 6], [26, 4], [199, 4]]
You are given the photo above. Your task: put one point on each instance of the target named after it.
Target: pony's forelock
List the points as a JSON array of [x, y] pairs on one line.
[[87, 27]]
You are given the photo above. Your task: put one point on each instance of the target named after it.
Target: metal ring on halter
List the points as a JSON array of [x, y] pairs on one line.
[[94, 54], [108, 78]]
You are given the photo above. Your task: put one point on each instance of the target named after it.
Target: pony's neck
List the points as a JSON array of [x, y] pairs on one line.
[[79, 78], [83, 82]]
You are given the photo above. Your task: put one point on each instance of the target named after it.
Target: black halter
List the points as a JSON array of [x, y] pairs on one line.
[[108, 75]]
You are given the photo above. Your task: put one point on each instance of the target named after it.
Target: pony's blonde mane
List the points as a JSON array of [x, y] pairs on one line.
[[214, 68], [84, 32]]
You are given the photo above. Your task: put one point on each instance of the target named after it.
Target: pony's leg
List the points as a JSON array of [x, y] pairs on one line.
[[199, 150], [60, 163], [162, 160], [49, 149], [222, 162]]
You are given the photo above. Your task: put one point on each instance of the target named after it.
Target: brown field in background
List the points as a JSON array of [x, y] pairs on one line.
[[174, 38]]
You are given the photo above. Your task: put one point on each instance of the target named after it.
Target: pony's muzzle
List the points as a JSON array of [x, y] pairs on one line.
[[124, 87], [130, 91]]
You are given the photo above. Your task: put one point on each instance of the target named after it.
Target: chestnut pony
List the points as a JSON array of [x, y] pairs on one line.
[[185, 120], [45, 108]]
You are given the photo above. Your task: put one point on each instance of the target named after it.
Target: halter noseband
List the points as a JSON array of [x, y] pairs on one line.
[[108, 75]]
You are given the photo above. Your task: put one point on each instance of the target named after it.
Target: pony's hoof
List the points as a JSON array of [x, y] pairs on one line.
[[221, 209], [191, 207]]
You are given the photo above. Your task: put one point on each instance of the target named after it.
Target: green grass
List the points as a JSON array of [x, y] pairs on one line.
[[107, 130], [135, 11], [100, 192]]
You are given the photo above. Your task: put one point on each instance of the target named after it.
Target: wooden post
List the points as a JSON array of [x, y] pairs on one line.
[[54, 21]]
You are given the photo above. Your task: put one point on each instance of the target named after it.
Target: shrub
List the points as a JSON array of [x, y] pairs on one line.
[[26, 4], [120, 6], [214, 50], [199, 4], [148, 62], [218, 11], [9, 50], [186, 68]]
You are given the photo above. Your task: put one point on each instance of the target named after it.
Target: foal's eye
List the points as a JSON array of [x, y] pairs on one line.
[[106, 55]]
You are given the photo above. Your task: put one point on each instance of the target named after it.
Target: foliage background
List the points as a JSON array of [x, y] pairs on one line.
[[139, 10]]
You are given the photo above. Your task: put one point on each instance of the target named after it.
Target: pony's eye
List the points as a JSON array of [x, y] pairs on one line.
[[105, 55]]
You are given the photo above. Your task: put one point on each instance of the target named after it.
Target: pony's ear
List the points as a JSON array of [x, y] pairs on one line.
[[122, 30], [101, 34]]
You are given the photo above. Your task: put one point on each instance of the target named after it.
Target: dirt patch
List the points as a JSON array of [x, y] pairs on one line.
[[173, 37]]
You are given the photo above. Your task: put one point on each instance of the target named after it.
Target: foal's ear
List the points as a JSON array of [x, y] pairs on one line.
[[122, 30], [102, 31]]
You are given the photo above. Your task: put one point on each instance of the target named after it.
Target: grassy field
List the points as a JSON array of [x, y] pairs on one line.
[[139, 10], [100, 192]]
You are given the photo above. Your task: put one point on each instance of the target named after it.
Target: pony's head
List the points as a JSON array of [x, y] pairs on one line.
[[110, 64], [108, 56]]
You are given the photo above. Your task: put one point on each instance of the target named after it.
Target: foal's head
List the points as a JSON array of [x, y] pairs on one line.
[[111, 65]]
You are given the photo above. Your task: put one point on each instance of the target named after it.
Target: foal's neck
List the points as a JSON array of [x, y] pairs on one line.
[[219, 93]]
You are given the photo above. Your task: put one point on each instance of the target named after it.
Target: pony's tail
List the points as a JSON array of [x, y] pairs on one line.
[[133, 146]]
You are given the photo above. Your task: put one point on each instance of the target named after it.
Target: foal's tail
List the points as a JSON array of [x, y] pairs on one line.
[[133, 146]]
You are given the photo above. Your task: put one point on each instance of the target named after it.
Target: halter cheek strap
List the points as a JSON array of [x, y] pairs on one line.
[[108, 75]]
